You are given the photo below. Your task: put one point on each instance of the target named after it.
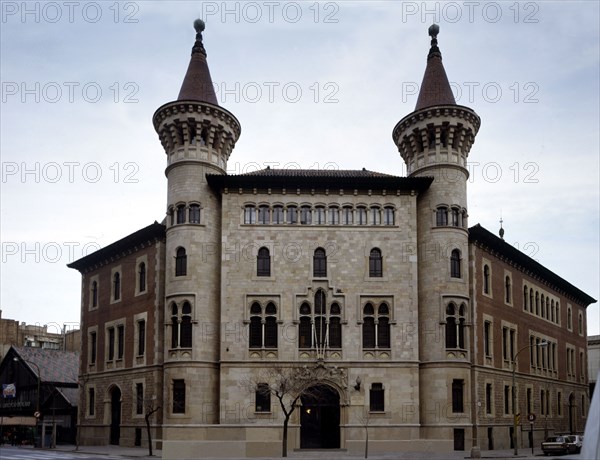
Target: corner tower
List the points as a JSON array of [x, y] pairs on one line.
[[198, 136], [435, 140]]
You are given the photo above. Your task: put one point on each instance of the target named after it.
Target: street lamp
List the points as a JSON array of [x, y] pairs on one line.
[[543, 343], [39, 381]]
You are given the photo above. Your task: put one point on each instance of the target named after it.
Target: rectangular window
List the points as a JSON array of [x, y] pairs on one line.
[[262, 398], [320, 216], [141, 345], [139, 398], [457, 395], [559, 403], [179, 396], [488, 398], [512, 344], [375, 216], [505, 343], [542, 401], [263, 215], [93, 347], [91, 401], [362, 216], [506, 399], [376, 398], [487, 348], [121, 340], [529, 402], [388, 216], [111, 343]]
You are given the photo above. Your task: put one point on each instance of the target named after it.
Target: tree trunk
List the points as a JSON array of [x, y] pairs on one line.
[[149, 434], [285, 436]]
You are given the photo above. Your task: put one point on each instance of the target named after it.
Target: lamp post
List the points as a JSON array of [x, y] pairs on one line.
[[543, 343], [39, 381]]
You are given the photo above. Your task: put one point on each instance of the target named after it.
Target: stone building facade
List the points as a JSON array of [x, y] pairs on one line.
[[374, 278]]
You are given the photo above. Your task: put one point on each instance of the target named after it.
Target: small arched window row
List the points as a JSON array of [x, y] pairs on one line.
[[319, 214], [455, 264], [538, 304], [451, 216], [185, 213], [180, 262]]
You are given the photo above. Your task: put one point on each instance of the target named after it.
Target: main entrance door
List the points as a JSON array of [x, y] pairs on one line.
[[115, 416], [320, 418]]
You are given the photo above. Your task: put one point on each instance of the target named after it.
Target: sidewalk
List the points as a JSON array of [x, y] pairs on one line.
[[142, 453], [134, 452]]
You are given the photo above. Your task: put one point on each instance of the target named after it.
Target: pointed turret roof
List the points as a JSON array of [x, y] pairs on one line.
[[435, 88], [197, 84]]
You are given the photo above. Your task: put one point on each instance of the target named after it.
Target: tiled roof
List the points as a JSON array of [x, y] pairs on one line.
[[435, 88], [319, 178], [488, 240], [197, 84], [55, 366], [123, 246]]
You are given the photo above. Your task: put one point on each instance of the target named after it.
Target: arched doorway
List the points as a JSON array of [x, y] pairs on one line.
[[320, 418], [115, 415]]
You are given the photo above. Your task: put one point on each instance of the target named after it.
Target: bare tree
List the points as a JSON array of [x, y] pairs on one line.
[[150, 410], [289, 384], [364, 419]]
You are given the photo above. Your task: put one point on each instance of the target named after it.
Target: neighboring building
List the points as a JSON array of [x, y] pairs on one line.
[[39, 395], [13, 332], [376, 278], [593, 343]]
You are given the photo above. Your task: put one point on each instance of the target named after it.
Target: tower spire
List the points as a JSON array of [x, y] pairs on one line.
[[197, 84], [435, 88]]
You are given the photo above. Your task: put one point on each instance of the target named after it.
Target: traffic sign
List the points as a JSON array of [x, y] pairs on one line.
[[531, 417]]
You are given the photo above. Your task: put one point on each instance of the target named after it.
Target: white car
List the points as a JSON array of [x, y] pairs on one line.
[[575, 441]]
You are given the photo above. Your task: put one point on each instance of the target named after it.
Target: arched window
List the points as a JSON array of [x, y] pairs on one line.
[[320, 215], [552, 312], [531, 301], [486, 279], [334, 215], [305, 327], [361, 215], [319, 263], [181, 214], [278, 215], [455, 263], [263, 262], [305, 215], [507, 289], [388, 215], [543, 304], [580, 323], [537, 303], [376, 326], [116, 286], [292, 214], [185, 340], [441, 216], [375, 215], [525, 299], [569, 318], [347, 215], [181, 326], [320, 327], [263, 214], [455, 217], [194, 213], [263, 326], [94, 294], [142, 277], [249, 214], [375, 263], [455, 324], [180, 262]]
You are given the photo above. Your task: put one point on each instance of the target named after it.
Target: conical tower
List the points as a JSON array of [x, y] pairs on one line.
[[435, 141], [198, 137]]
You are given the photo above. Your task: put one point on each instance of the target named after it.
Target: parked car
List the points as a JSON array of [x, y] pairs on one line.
[[575, 442], [556, 445]]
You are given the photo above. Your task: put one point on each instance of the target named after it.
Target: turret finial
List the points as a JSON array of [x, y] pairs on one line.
[[501, 232], [198, 47], [434, 30]]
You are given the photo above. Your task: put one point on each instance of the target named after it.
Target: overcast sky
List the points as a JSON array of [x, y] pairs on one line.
[[314, 85]]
